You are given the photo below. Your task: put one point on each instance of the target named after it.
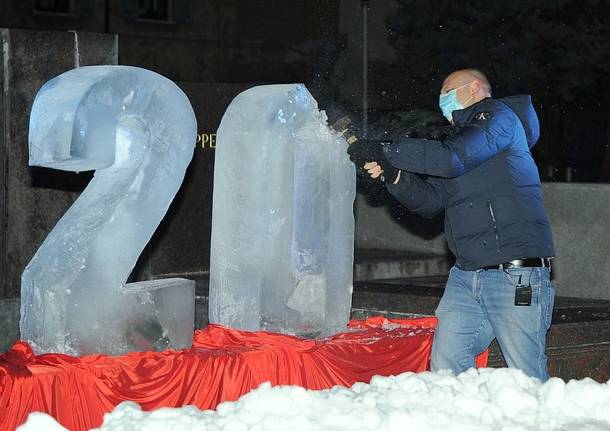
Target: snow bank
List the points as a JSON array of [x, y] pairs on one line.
[[487, 399]]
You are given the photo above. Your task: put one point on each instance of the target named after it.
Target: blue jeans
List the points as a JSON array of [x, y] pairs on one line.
[[478, 306]]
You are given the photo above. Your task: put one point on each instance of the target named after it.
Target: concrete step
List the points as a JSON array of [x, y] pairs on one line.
[[370, 264], [9, 322], [421, 295]]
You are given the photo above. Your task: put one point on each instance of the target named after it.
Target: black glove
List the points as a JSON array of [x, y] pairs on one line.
[[363, 151]]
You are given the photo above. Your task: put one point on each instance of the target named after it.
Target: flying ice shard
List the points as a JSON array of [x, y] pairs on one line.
[[137, 130], [282, 217]]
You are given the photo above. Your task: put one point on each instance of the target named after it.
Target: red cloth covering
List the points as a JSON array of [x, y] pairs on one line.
[[222, 365]]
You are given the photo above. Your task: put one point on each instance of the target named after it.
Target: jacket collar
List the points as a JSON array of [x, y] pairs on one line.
[[521, 105], [461, 117]]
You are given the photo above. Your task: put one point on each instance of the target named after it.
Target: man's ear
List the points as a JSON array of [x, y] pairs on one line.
[[476, 86]]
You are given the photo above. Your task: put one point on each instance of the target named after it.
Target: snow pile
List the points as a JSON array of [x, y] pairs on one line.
[[498, 399]]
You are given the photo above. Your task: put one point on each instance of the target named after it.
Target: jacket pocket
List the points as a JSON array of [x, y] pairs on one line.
[[469, 220]]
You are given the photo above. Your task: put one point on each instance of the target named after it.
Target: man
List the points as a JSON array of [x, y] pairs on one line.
[[484, 178]]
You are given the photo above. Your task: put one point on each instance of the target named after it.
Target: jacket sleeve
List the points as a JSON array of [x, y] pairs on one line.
[[425, 197], [471, 146]]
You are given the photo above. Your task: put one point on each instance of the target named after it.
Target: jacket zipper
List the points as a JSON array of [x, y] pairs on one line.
[[493, 219]]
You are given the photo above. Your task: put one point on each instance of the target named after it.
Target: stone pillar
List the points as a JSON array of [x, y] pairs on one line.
[[180, 247], [33, 199]]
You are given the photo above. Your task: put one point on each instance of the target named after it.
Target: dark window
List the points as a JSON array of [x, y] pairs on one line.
[[55, 6], [158, 10], [170, 11]]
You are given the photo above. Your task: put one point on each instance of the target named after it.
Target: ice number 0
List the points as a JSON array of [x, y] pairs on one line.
[[137, 130]]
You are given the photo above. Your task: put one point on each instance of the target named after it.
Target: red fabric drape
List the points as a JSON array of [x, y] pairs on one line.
[[222, 365]]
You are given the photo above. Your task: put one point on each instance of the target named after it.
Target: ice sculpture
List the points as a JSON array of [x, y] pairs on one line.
[[137, 130], [282, 217]]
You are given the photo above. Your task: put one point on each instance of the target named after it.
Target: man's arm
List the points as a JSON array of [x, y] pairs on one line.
[[472, 145], [425, 197]]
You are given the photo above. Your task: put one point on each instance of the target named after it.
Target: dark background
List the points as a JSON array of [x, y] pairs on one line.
[[558, 51]]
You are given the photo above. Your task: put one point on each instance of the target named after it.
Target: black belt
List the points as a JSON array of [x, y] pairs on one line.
[[523, 263]]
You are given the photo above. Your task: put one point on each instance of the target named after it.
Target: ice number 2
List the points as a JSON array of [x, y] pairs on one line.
[[137, 130]]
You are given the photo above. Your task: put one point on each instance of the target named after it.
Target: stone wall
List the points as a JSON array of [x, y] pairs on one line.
[[580, 219], [33, 199], [383, 224], [181, 244]]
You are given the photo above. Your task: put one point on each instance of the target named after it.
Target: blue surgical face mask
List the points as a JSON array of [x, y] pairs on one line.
[[449, 102]]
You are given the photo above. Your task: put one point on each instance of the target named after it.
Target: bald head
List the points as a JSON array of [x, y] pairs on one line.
[[472, 86]]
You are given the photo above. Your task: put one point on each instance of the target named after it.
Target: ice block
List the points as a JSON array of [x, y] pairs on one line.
[[159, 314], [282, 216], [137, 130]]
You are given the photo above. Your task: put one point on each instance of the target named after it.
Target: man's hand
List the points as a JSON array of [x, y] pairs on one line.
[[363, 151], [370, 155], [375, 170]]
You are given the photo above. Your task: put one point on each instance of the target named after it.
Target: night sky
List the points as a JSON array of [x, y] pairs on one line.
[[557, 51]]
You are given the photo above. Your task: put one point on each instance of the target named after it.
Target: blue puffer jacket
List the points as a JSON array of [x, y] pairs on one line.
[[485, 179]]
